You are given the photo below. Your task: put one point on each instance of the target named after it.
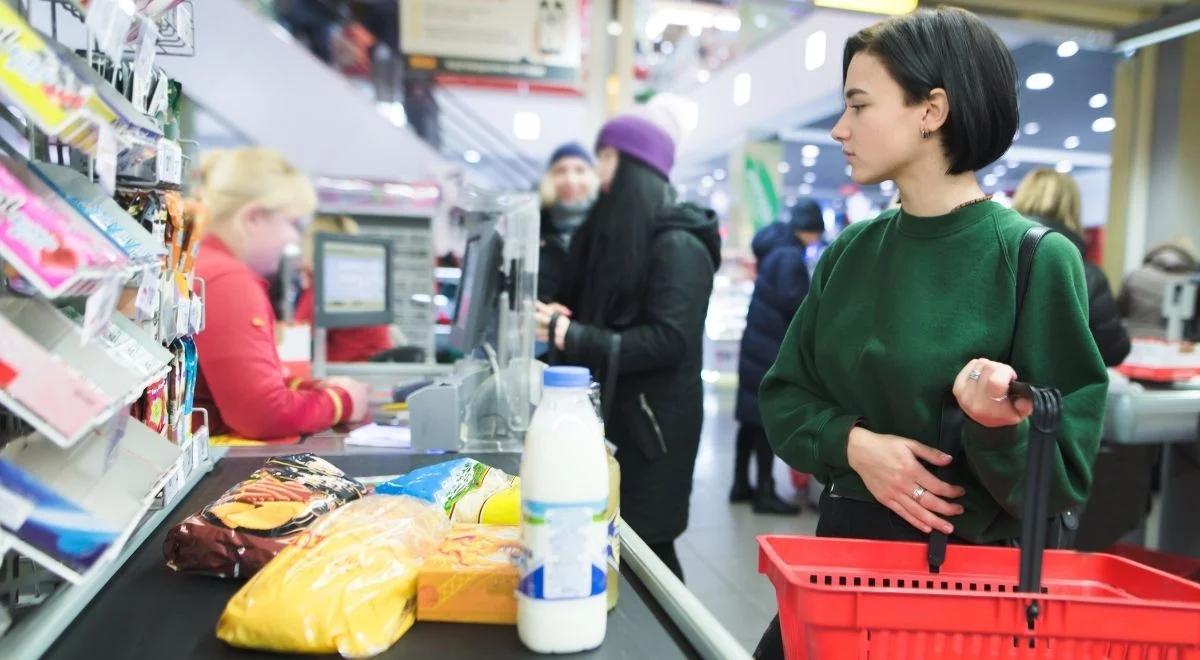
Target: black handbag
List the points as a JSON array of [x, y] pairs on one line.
[[1056, 532]]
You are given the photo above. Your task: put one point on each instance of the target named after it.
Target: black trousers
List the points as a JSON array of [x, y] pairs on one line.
[[845, 518]]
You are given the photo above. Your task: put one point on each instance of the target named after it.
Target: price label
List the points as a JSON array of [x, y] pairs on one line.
[[169, 162], [197, 315], [184, 26], [158, 101], [99, 308], [147, 297], [109, 21], [143, 62], [183, 315], [166, 311], [106, 159]]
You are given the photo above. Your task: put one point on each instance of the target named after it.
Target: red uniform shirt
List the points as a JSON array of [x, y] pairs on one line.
[[346, 344], [241, 380]]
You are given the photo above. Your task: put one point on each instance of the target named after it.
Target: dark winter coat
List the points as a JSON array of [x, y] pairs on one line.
[[781, 286], [552, 260], [657, 405], [1110, 334]]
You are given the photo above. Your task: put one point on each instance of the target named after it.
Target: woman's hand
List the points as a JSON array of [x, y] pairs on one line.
[[891, 468], [360, 397], [982, 392], [544, 313]]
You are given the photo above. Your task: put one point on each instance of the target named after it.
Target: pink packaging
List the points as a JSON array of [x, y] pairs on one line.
[[48, 247]]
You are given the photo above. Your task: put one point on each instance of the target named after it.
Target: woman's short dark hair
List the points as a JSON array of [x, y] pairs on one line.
[[954, 50]]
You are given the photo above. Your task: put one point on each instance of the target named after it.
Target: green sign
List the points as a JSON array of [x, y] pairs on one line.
[[759, 197]]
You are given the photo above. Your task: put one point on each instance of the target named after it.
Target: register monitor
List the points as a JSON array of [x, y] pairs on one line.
[[352, 280], [476, 307]]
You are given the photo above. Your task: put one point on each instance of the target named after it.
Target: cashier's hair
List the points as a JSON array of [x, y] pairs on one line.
[[954, 50], [1046, 194], [230, 180], [325, 224]]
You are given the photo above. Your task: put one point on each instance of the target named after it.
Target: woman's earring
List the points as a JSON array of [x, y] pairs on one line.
[[924, 133]]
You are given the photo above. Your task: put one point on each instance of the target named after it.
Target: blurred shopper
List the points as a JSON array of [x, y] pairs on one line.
[[567, 192], [919, 305], [1141, 299], [632, 309], [341, 344], [782, 282], [258, 203], [1052, 199]]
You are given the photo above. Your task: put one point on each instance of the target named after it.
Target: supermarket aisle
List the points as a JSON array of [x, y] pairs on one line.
[[718, 552]]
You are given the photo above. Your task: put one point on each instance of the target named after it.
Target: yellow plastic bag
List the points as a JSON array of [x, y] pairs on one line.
[[348, 585]]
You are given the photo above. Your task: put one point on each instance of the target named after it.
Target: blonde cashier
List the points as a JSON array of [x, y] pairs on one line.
[[258, 203]]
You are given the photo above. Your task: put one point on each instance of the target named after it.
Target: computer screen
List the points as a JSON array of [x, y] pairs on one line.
[[476, 309], [352, 279]]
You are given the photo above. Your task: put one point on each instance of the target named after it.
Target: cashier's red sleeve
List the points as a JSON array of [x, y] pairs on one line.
[[241, 366]]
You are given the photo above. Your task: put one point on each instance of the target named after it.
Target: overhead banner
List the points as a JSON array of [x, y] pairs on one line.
[[538, 40]]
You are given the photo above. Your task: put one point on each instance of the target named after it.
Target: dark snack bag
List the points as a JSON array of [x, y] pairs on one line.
[[245, 528]]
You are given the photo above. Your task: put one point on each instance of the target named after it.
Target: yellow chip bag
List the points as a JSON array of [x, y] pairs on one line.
[[348, 585]]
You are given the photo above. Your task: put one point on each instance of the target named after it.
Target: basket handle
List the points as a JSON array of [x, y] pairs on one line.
[[1043, 433]]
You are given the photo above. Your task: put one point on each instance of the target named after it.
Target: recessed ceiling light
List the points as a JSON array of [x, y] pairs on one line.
[[1098, 101], [706, 182], [814, 50], [703, 75], [808, 162], [805, 189], [999, 170], [1063, 167], [810, 177], [1012, 163], [741, 89], [810, 151], [1072, 142], [472, 156], [990, 180], [1067, 49], [1032, 128], [527, 125], [615, 29], [784, 167], [719, 174], [760, 21], [791, 201], [887, 187], [1104, 125], [1039, 81]]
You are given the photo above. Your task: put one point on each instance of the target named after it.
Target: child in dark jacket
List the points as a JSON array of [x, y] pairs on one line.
[[783, 250]]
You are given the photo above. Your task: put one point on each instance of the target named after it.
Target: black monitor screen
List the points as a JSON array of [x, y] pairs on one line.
[[476, 309]]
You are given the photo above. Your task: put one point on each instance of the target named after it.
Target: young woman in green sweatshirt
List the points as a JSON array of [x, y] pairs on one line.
[[922, 300]]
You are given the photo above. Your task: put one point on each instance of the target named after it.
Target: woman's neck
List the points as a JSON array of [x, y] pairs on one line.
[[230, 237], [928, 191]]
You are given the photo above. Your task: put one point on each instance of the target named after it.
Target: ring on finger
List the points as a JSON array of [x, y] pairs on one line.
[[974, 375], [1000, 399], [918, 492]]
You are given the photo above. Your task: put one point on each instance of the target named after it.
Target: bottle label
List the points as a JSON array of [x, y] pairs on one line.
[[566, 550]]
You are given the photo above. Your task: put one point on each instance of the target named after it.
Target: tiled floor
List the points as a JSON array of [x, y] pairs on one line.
[[718, 552]]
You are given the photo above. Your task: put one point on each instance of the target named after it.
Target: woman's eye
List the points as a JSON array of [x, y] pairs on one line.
[[856, 108]]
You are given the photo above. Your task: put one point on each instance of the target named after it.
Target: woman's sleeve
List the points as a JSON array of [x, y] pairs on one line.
[[237, 354], [1053, 347], [679, 285], [806, 427]]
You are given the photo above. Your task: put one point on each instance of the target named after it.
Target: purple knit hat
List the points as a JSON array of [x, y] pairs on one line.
[[642, 139]]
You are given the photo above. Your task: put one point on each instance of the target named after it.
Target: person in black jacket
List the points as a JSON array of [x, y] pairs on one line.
[[633, 311], [567, 192], [1053, 199], [782, 251]]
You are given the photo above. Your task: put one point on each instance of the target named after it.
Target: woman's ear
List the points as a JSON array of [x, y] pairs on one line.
[[937, 110]]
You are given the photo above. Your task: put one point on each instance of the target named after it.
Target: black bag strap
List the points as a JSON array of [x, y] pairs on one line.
[[952, 419]]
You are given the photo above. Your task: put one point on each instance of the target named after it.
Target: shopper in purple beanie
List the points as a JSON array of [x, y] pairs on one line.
[[632, 309]]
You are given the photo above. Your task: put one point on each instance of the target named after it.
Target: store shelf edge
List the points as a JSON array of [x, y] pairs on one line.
[[35, 634]]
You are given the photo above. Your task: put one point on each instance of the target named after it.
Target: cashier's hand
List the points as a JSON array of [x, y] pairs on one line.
[[546, 312], [982, 392], [360, 396], [891, 467]]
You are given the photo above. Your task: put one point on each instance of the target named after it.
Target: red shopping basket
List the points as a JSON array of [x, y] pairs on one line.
[[842, 598]]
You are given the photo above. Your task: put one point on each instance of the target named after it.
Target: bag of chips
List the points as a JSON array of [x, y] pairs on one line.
[[348, 585], [239, 533], [468, 491]]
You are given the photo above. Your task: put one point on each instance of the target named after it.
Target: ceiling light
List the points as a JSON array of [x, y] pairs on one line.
[[1039, 81], [814, 50], [706, 182], [1032, 128], [741, 89], [727, 22], [719, 174], [810, 177], [1063, 166], [760, 21], [666, 47], [527, 125], [808, 162], [695, 30], [1012, 163], [784, 167], [887, 187], [1072, 142], [703, 75], [791, 200], [805, 189], [393, 112], [1098, 101], [999, 170], [472, 156], [1067, 49], [615, 29], [990, 180], [1104, 125], [810, 151]]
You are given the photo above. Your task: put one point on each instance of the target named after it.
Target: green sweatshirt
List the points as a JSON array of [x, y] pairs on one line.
[[897, 308]]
